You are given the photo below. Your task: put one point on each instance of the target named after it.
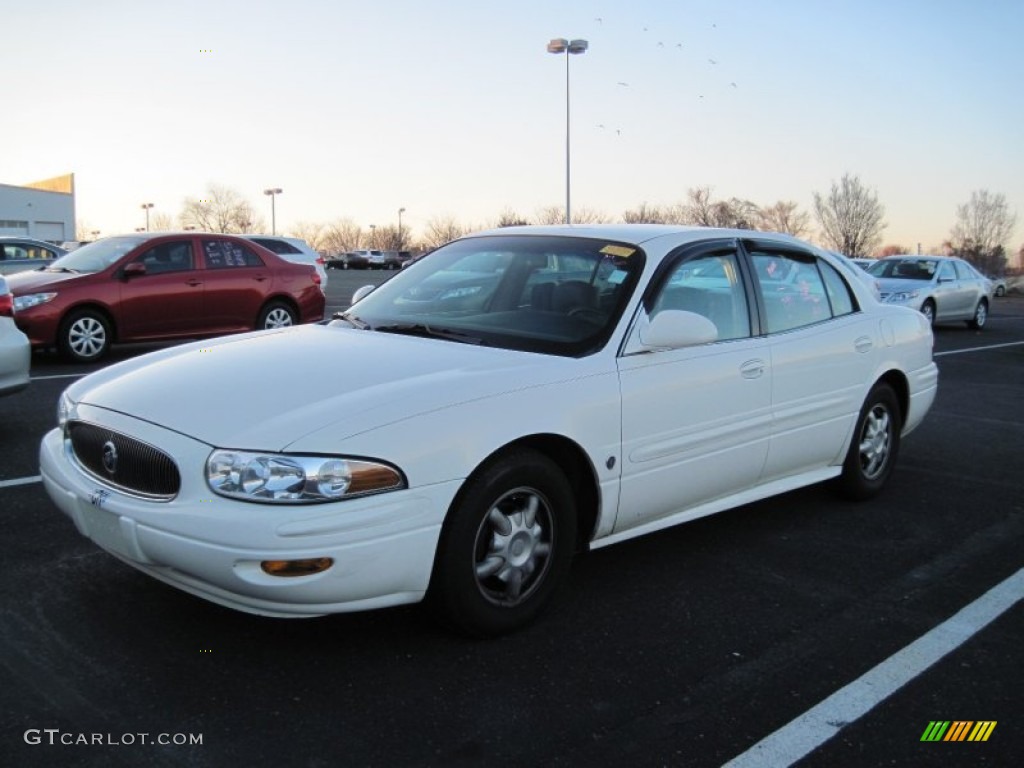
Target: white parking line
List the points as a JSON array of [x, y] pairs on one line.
[[978, 349], [817, 725], [20, 481]]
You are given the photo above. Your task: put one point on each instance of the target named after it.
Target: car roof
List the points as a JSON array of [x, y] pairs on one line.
[[638, 233]]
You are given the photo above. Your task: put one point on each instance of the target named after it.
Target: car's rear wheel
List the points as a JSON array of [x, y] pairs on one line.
[[506, 545], [875, 444], [276, 314], [928, 310], [1000, 291], [980, 316], [85, 336]]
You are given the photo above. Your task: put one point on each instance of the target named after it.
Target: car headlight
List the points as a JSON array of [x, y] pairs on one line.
[[289, 479], [21, 303], [903, 296]]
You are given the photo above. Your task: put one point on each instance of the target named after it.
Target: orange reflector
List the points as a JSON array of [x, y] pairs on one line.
[[296, 567]]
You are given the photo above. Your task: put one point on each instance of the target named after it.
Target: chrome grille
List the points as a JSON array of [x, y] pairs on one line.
[[129, 465]]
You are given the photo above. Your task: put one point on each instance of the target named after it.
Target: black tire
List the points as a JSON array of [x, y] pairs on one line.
[[1000, 291], [928, 310], [84, 336], [506, 545], [276, 314], [874, 446], [980, 316]]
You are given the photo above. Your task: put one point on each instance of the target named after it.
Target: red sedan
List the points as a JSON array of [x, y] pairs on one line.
[[161, 286]]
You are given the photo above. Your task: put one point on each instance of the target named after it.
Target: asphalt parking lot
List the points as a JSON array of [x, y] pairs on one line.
[[685, 648]]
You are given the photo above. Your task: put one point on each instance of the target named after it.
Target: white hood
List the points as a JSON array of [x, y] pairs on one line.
[[265, 391]]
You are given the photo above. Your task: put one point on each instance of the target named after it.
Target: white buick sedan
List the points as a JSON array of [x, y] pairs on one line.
[[462, 430]]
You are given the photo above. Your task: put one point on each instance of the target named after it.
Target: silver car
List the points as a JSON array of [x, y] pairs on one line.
[[943, 289], [15, 351], [20, 253]]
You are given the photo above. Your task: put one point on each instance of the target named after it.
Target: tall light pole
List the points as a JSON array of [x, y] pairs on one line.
[[561, 45], [273, 209], [146, 207], [400, 212]]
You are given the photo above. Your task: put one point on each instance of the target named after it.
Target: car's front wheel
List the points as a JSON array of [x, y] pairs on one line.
[[928, 310], [980, 316], [506, 545], [875, 445], [85, 336], [276, 314]]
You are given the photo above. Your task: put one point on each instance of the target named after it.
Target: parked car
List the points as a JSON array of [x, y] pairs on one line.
[[20, 253], [396, 259], [567, 388], [161, 286], [15, 350], [295, 250], [944, 289], [350, 260], [998, 285], [864, 264]]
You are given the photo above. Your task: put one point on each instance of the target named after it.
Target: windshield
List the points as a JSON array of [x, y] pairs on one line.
[[557, 295], [97, 256], [905, 269]]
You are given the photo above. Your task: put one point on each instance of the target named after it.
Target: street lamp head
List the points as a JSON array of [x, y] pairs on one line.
[[401, 210], [561, 45], [274, 191], [146, 206]]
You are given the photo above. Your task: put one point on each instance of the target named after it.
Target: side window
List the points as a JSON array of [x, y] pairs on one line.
[[963, 271], [708, 285], [226, 254], [838, 290], [946, 271], [277, 246], [792, 289], [175, 256]]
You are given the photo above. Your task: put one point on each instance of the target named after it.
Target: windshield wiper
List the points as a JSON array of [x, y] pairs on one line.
[[351, 319], [426, 331]]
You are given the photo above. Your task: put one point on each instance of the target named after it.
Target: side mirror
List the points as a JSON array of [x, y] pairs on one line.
[[362, 293], [134, 269], [676, 328]]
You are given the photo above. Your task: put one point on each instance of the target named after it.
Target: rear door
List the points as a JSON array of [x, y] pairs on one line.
[[237, 284], [823, 356]]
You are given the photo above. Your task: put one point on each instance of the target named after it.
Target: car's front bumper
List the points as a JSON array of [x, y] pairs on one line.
[[382, 546]]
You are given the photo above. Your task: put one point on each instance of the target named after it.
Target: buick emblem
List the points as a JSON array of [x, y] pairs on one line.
[[110, 457]]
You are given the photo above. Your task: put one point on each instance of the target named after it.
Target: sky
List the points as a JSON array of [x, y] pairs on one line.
[[454, 108]]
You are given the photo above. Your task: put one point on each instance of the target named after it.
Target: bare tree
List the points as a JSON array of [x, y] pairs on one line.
[[441, 230], [510, 218], [784, 216], [221, 210], [341, 235], [645, 214], [892, 250], [310, 231], [550, 214], [983, 227], [161, 222], [699, 209], [850, 217]]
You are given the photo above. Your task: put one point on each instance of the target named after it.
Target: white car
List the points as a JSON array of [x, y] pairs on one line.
[[295, 250], [511, 398], [15, 350]]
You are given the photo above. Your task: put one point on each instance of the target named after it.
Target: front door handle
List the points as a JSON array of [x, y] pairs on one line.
[[752, 369]]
